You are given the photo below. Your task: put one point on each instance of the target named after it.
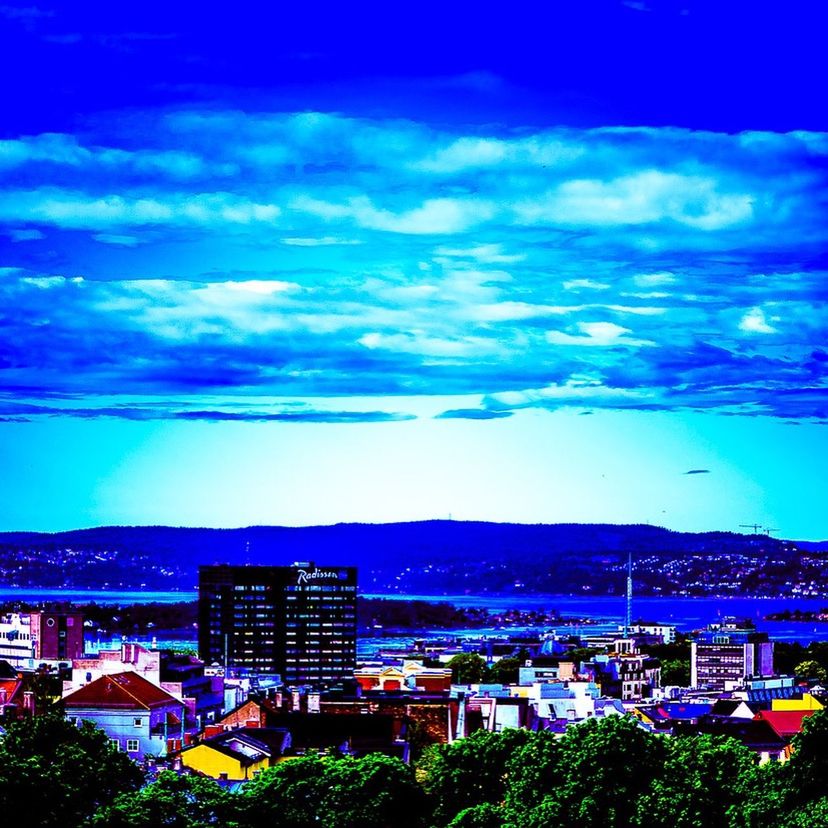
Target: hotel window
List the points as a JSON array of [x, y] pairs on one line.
[[132, 746], [137, 721]]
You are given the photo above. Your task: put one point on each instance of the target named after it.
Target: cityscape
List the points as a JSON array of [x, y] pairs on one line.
[[413, 416]]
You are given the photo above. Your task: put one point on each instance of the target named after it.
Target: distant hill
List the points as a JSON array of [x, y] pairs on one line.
[[428, 557]]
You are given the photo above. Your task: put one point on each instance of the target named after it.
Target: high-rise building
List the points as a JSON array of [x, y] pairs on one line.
[[296, 621], [729, 653]]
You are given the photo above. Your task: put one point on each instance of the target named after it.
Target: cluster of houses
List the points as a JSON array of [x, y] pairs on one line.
[[174, 709]]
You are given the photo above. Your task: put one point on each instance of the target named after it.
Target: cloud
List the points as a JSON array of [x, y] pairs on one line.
[[597, 334], [645, 197], [472, 414], [115, 238], [20, 412], [754, 321], [322, 241], [185, 253]]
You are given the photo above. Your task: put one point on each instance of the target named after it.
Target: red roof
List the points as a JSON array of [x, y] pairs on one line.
[[786, 723], [121, 691], [11, 686]]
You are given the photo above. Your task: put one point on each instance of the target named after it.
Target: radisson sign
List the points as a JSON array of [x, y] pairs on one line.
[[304, 576]]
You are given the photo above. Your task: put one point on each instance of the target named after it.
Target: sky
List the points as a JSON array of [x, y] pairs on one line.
[[556, 262]]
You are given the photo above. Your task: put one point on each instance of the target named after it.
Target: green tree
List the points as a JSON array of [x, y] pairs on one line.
[[704, 781], [58, 775], [607, 766], [375, 791], [810, 669], [533, 772], [814, 815], [504, 671], [480, 816], [284, 796], [675, 672], [172, 801], [467, 668], [468, 772], [804, 774]]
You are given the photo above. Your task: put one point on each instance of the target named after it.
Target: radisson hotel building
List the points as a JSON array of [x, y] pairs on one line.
[[298, 621]]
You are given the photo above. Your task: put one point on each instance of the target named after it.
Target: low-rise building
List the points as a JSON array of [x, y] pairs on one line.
[[409, 676], [137, 715], [236, 755], [28, 639]]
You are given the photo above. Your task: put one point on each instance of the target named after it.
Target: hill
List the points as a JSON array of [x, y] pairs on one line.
[[429, 557]]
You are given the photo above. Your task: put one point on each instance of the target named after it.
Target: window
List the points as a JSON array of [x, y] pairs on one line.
[[132, 746], [137, 721], [115, 743]]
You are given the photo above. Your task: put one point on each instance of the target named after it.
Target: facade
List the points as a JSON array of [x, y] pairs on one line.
[[624, 673], [236, 755], [724, 655], [410, 676], [137, 715], [132, 657], [29, 638], [295, 621]]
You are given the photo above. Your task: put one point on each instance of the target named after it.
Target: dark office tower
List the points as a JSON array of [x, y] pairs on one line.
[[298, 621]]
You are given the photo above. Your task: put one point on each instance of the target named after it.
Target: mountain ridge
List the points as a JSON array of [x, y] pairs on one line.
[[427, 557]]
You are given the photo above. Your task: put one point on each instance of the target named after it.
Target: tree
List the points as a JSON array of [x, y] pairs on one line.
[[468, 772], [467, 668], [172, 801], [58, 774], [375, 790], [675, 672], [284, 796], [804, 775], [480, 816], [705, 779], [504, 671], [533, 771], [607, 766], [811, 669]]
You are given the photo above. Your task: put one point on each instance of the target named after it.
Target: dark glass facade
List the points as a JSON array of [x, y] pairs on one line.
[[298, 621]]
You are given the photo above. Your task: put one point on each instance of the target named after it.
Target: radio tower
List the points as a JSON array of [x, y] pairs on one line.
[[628, 614]]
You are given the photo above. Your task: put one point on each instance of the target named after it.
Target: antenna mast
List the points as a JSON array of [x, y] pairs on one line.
[[628, 614]]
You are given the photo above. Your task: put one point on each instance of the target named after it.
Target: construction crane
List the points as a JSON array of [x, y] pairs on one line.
[[768, 530], [755, 526]]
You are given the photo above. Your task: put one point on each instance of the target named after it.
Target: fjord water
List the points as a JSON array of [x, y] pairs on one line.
[[687, 613]]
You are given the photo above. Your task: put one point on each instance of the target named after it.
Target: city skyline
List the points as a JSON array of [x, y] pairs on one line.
[[567, 266]]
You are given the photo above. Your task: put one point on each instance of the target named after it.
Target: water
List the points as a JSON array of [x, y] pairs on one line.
[[686, 614], [97, 596]]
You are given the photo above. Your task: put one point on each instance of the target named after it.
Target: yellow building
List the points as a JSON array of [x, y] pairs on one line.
[[237, 754], [807, 702]]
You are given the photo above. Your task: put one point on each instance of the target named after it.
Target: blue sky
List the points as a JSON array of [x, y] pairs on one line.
[[361, 265]]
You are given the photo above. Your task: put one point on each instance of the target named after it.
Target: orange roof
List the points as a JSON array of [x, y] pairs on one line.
[[120, 691], [786, 723]]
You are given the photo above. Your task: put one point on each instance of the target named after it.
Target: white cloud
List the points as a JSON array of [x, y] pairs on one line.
[[754, 321], [596, 334], [321, 241], [486, 253], [75, 210], [654, 279], [641, 198], [584, 284], [117, 239]]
